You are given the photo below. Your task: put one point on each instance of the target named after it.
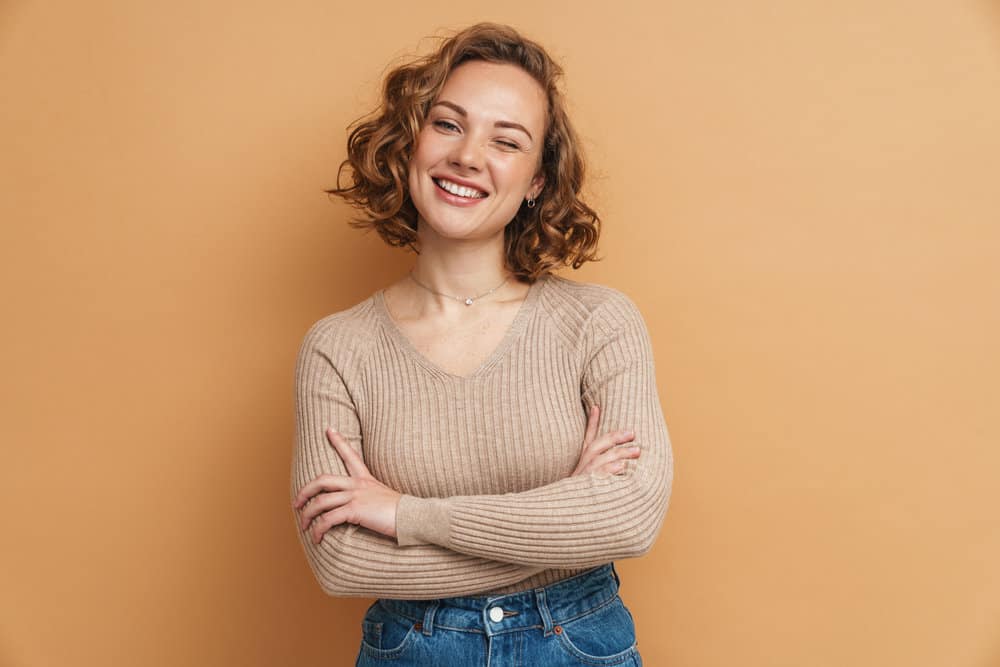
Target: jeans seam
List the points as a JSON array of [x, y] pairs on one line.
[[589, 611]]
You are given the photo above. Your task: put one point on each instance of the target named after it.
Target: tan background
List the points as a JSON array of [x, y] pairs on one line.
[[801, 196]]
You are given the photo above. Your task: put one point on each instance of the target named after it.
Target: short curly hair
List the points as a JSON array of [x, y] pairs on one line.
[[561, 230]]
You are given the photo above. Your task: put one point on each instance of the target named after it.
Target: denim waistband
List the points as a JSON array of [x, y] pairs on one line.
[[543, 608]]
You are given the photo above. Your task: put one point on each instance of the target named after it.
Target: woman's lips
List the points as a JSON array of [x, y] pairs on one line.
[[456, 194], [459, 189]]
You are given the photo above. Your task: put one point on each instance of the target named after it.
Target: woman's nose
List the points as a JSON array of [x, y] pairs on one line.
[[467, 153]]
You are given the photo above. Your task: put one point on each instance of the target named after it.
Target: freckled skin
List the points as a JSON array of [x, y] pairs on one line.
[[471, 149]]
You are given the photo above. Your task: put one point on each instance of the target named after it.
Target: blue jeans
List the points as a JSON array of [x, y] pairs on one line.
[[576, 621]]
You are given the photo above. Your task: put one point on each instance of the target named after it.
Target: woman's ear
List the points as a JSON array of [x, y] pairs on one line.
[[537, 183]]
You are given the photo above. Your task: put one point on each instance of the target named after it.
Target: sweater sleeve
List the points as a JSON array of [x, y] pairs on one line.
[[352, 560], [579, 521]]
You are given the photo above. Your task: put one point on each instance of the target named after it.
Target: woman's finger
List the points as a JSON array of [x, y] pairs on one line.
[[327, 521], [352, 459], [323, 502], [599, 447], [611, 459], [614, 468], [603, 446], [592, 421], [609, 440], [320, 484]]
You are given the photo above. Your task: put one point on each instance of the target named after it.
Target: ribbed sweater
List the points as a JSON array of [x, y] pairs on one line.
[[484, 460]]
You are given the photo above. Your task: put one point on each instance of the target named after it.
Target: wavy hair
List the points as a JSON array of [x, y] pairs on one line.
[[560, 230]]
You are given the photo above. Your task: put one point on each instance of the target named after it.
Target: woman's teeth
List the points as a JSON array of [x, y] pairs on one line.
[[459, 190]]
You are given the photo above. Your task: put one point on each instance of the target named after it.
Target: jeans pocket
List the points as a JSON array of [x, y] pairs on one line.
[[603, 636], [385, 635]]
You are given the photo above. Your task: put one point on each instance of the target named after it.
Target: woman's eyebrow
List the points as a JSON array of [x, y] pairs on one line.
[[500, 123]]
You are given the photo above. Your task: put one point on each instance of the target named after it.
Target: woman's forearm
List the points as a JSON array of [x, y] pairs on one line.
[[351, 560], [578, 521]]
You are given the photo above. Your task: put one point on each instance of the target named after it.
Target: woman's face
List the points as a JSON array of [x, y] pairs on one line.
[[478, 153]]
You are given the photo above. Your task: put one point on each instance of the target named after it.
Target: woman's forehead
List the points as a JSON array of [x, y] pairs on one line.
[[496, 89]]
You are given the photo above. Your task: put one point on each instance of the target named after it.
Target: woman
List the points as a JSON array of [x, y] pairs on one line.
[[477, 442]]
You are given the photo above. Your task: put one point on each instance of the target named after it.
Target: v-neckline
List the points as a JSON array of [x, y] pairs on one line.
[[524, 312]]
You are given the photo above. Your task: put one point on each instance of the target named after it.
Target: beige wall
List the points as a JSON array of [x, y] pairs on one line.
[[801, 195]]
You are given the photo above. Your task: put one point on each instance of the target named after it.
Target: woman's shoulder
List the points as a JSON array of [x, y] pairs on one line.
[[600, 317], [587, 299], [350, 328]]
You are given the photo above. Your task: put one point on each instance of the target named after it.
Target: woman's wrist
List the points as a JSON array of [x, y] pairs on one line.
[[422, 521]]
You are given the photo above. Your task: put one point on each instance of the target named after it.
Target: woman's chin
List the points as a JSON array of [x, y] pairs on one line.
[[454, 232]]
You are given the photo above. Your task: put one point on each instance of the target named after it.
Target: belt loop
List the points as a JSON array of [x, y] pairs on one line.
[[543, 610], [617, 580], [428, 628]]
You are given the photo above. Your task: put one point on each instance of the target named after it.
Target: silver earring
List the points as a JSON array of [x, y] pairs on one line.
[[531, 202]]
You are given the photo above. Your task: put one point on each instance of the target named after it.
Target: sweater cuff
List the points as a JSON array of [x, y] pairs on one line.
[[422, 521]]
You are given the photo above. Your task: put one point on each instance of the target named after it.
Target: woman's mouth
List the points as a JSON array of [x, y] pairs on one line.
[[459, 190]]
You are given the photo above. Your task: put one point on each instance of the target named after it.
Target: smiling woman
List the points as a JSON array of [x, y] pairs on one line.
[[478, 441], [476, 160], [562, 230]]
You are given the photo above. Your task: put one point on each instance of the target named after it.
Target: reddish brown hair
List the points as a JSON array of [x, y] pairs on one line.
[[560, 230]]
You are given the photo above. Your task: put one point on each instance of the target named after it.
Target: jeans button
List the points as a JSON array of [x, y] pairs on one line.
[[496, 614]]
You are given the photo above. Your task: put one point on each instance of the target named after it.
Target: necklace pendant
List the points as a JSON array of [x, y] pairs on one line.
[[468, 301]]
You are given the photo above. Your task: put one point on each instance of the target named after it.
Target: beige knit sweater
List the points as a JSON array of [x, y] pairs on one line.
[[483, 460]]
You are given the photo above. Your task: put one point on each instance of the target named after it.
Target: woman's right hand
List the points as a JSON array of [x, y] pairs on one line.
[[602, 454]]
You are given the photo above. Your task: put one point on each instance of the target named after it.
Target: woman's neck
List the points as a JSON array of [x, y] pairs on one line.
[[450, 271], [461, 267]]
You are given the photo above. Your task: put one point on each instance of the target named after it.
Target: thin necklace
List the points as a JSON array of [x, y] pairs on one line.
[[469, 300]]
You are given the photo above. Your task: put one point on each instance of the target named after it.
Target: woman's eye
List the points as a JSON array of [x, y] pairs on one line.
[[510, 145], [446, 125]]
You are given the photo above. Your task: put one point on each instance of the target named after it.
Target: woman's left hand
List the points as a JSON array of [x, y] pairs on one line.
[[358, 498]]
